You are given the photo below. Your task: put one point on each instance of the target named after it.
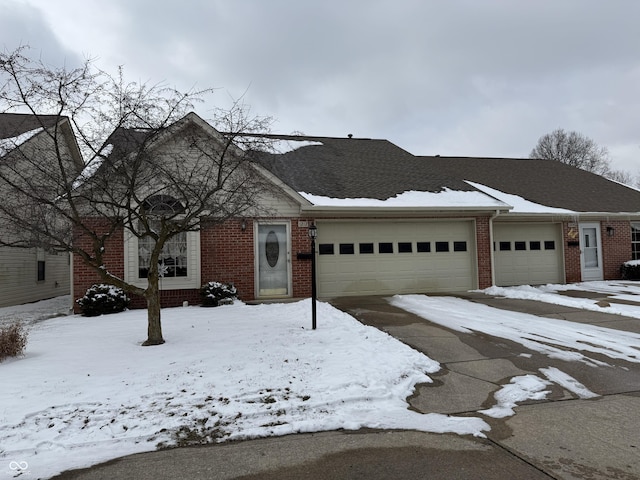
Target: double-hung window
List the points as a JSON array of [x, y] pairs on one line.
[[635, 241]]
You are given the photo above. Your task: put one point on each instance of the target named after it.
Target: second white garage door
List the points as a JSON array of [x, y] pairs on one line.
[[528, 254], [379, 258]]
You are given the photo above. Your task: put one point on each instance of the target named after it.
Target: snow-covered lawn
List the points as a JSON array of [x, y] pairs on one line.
[[86, 391]]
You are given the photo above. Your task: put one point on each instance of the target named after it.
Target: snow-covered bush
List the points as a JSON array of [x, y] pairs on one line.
[[631, 270], [217, 293], [103, 299], [13, 340]]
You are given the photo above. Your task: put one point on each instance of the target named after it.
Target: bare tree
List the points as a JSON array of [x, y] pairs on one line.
[[153, 171], [574, 149], [621, 176]]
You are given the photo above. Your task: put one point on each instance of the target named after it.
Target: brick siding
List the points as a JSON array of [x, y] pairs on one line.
[[616, 249], [483, 241]]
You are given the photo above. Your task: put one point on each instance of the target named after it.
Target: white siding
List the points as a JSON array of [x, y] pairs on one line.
[[19, 273]]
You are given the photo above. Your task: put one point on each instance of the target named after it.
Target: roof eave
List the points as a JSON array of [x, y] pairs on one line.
[[373, 211]]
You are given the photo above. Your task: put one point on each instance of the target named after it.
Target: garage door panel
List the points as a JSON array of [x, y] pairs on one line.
[[528, 254], [408, 269]]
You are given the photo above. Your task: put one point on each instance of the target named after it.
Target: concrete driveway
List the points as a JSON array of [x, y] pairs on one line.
[[562, 437]]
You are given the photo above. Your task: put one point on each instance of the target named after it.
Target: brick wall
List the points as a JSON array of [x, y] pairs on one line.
[[483, 240], [227, 255], [571, 235], [616, 249], [83, 275], [301, 269]]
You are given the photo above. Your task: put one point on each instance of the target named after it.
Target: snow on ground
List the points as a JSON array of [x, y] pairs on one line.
[[552, 293], [86, 391], [520, 389], [31, 313], [555, 338], [567, 382]]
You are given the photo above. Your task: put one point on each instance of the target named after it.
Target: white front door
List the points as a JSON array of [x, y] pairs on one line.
[[273, 260], [590, 252]]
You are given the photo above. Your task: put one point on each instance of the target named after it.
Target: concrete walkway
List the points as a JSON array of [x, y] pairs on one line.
[[563, 437]]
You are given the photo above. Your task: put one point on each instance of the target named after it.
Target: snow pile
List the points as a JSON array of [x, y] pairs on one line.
[[567, 382], [520, 389], [86, 391]]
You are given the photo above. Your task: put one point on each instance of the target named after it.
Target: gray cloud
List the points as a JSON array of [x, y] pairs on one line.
[[459, 77]]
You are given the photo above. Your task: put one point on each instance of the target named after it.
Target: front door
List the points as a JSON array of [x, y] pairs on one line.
[[273, 260], [590, 252]]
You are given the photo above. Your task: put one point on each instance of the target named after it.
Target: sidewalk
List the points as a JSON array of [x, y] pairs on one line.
[[562, 437]]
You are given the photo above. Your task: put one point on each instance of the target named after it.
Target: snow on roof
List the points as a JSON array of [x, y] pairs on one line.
[[274, 145], [445, 198], [8, 144], [520, 205], [93, 165]]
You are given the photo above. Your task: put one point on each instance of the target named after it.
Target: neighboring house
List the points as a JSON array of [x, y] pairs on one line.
[[390, 222], [31, 274]]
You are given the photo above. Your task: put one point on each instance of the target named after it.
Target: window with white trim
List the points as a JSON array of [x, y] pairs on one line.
[[172, 262], [179, 261], [635, 241]]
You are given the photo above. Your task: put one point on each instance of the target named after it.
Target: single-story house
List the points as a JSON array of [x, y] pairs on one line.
[[31, 274], [392, 222]]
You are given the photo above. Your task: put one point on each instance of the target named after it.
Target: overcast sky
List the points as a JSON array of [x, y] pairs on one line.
[[448, 77]]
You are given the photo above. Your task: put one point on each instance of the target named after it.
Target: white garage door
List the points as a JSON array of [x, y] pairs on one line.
[[378, 258], [528, 254]]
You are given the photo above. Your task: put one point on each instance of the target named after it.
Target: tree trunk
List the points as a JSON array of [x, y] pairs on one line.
[[154, 328]]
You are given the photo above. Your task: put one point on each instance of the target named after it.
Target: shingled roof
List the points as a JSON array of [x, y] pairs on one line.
[[546, 182], [14, 124], [352, 168]]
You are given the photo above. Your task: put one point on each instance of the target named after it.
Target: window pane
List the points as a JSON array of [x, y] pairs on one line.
[[520, 245], [442, 246], [635, 241], [459, 246], [325, 249], [172, 261], [40, 271], [423, 246], [385, 247], [534, 245], [549, 245], [505, 245], [405, 247], [346, 249], [366, 248]]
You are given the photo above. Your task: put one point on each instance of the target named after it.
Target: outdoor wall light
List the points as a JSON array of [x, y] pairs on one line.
[[243, 226], [611, 231]]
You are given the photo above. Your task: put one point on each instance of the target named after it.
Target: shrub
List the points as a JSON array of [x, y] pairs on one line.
[[102, 300], [631, 270], [216, 293], [13, 340]]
